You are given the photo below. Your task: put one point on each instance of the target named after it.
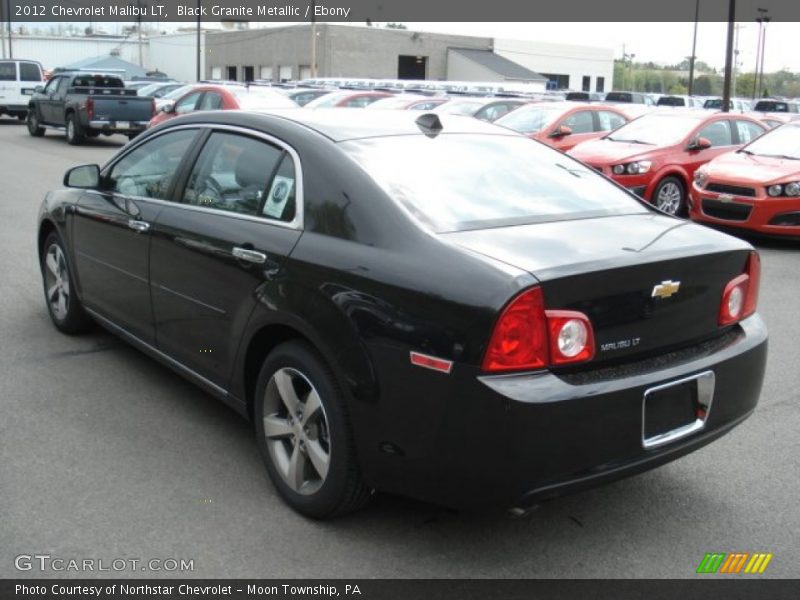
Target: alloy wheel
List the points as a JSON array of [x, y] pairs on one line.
[[669, 198], [296, 431], [56, 277]]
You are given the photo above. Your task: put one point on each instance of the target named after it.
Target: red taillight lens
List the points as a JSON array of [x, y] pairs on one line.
[[90, 107], [571, 337], [740, 296], [519, 339], [528, 337]]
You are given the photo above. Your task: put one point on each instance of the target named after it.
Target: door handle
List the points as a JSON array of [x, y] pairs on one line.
[[138, 226], [252, 256]]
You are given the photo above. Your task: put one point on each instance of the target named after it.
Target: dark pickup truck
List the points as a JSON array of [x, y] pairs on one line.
[[86, 105]]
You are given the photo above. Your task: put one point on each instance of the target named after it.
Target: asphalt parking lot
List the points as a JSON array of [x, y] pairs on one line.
[[106, 454]]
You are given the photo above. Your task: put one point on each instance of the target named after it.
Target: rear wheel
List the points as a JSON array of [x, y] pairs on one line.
[[74, 133], [21, 116], [34, 126], [63, 305], [670, 196], [304, 435]]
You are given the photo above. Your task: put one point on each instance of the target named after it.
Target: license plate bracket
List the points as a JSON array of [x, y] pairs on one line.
[[677, 409]]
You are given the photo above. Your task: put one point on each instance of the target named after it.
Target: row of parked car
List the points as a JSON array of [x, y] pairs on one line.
[[658, 153]]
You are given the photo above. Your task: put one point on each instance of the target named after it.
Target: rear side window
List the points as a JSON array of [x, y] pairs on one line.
[[97, 81], [148, 170], [460, 182], [243, 175], [8, 71], [29, 72], [747, 131]]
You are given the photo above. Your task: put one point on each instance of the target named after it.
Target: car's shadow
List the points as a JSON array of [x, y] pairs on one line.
[[101, 141]]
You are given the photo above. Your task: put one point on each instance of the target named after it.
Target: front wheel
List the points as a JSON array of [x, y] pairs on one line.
[[74, 133], [63, 305], [34, 126], [670, 196], [304, 435]]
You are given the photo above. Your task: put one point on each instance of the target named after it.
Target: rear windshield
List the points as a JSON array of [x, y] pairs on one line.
[[467, 181], [772, 106], [97, 81], [619, 97], [671, 101]]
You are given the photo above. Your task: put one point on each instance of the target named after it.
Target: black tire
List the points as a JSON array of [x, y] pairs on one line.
[[34, 128], [74, 133], [132, 136], [22, 116], [73, 319], [342, 489], [670, 196]]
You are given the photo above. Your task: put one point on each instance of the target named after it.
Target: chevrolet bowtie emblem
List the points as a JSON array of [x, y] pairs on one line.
[[725, 198], [665, 289]]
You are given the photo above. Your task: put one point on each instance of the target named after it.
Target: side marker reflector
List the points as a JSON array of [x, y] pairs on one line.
[[431, 362]]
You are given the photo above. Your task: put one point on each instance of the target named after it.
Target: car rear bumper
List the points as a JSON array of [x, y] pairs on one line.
[[118, 126], [763, 214], [514, 440]]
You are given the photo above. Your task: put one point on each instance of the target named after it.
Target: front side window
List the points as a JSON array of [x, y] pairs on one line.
[[210, 101], [243, 175], [8, 71], [459, 182], [148, 170], [718, 133], [187, 103], [52, 85], [580, 122]]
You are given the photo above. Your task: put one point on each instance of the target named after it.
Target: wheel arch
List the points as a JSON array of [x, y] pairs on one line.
[[46, 227]]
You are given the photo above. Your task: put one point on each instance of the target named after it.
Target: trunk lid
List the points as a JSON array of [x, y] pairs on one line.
[[609, 268]]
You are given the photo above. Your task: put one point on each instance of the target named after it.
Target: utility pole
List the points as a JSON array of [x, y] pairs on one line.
[[694, 46], [726, 88], [735, 59], [313, 39], [198, 40], [760, 22], [8, 15]]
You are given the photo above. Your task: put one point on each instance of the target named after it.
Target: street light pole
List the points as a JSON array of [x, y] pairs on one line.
[[198, 51], [313, 39], [8, 15], [726, 88], [694, 46], [763, 46]]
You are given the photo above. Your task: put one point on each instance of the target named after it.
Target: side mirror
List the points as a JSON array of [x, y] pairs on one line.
[[168, 107], [561, 131], [83, 177], [700, 144]]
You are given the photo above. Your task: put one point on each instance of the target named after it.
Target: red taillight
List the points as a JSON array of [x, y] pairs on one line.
[[528, 337], [90, 108], [740, 296]]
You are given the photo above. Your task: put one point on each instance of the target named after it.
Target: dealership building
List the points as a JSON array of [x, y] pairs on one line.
[[285, 52]]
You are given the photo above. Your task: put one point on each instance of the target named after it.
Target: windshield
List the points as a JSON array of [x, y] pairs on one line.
[[782, 142], [175, 94], [394, 103], [465, 181], [530, 119], [328, 100], [656, 130], [460, 107], [671, 101], [256, 98]]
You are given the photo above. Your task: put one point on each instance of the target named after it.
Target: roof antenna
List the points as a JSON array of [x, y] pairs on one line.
[[430, 124]]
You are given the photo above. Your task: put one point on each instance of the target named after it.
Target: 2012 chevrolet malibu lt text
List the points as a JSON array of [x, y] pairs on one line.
[[419, 304]]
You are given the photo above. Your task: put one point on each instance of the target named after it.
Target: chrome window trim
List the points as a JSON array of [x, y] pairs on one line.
[[295, 224]]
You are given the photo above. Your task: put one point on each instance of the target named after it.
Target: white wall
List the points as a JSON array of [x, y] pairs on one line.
[[176, 55], [55, 52], [575, 61]]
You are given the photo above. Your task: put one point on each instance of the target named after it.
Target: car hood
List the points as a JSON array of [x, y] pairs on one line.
[[606, 152], [740, 167], [563, 248]]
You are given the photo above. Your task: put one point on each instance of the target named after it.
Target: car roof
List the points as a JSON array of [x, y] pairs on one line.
[[341, 124]]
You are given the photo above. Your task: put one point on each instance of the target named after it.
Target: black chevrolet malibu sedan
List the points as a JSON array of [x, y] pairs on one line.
[[427, 305]]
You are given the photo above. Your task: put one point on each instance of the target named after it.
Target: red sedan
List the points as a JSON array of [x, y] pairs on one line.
[[222, 97], [656, 155], [347, 99], [563, 125], [756, 188]]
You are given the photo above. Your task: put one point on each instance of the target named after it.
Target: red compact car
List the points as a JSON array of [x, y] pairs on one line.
[[347, 99], [656, 155], [755, 188], [563, 125], [222, 97]]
